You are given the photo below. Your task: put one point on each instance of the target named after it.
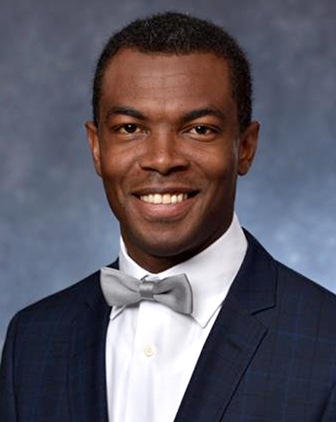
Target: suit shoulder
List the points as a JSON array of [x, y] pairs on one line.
[[295, 298], [65, 301], [297, 284], [311, 306], [288, 281]]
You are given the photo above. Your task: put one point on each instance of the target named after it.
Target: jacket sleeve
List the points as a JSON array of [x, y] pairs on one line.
[[7, 390]]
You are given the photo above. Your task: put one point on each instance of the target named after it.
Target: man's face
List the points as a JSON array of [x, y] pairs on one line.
[[168, 148]]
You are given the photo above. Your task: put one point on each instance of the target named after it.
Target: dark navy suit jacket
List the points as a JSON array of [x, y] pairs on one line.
[[270, 356]]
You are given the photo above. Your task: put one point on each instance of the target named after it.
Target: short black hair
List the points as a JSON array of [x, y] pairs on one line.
[[180, 34]]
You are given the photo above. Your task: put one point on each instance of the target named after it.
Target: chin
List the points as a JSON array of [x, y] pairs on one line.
[[173, 250], [165, 248]]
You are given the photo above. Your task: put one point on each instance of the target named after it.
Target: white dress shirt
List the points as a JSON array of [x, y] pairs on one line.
[[151, 351]]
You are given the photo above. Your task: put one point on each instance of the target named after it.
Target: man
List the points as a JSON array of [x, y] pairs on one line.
[[244, 338]]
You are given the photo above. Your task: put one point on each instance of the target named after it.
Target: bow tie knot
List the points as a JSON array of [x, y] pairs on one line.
[[120, 289], [146, 289]]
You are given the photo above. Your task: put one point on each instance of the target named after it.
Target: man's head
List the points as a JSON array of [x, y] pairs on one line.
[[180, 34], [169, 143]]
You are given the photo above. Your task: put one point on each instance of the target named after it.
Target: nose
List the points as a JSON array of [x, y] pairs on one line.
[[164, 154]]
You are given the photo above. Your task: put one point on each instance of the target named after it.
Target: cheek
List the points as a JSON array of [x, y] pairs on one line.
[[115, 167], [113, 180], [118, 174], [119, 160], [220, 169]]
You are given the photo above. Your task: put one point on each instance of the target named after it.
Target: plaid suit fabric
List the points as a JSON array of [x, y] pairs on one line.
[[45, 365], [271, 355]]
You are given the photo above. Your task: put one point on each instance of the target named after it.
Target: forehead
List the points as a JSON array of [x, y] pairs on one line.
[[178, 81]]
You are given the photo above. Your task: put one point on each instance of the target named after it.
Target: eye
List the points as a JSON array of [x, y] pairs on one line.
[[201, 130], [129, 128]]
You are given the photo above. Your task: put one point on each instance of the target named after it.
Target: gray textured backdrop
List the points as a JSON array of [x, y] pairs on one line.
[[55, 223]]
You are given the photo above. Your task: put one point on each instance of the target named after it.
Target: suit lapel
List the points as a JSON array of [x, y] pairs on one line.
[[233, 340], [87, 378]]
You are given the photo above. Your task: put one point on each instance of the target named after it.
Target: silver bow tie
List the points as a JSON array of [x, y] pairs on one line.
[[121, 289]]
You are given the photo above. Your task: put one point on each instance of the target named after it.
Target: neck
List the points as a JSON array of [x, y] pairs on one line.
[[156, 261]]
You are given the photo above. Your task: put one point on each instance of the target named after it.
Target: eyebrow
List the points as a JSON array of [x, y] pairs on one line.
[[201, 112], [188, 117], [126, 111]]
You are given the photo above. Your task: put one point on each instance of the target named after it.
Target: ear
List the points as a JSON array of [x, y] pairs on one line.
[[93, 139], [247, 147]]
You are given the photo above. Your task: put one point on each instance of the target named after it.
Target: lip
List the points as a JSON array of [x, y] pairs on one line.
[[160, 212], [164, 189]]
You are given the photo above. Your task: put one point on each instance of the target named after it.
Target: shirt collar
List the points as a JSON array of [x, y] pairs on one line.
[[210, 273]]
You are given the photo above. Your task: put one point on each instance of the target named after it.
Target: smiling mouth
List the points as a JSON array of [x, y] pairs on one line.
[[166, 198]]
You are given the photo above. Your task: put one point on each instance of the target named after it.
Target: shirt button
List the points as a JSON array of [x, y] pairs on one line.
[[150, 350]]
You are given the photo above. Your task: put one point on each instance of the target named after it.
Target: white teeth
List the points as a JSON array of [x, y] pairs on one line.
[[166, 198]]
